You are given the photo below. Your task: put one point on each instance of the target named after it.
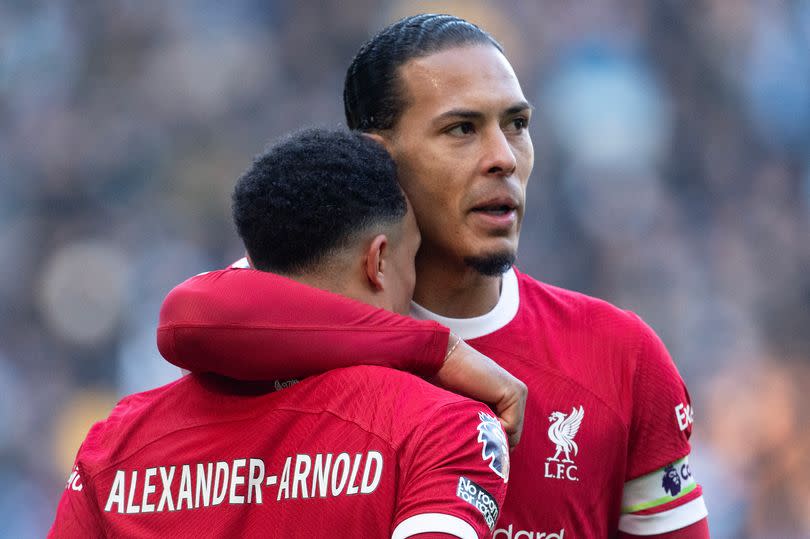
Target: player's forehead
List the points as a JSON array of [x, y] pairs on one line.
[[472, 77]]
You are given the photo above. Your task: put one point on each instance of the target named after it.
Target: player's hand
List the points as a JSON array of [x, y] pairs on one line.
[[472, 374]]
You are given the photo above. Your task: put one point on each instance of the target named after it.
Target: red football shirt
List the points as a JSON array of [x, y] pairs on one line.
[[356, 452], [605, 445]]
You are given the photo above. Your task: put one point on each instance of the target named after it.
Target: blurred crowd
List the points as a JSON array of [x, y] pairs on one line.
[[672, 178]]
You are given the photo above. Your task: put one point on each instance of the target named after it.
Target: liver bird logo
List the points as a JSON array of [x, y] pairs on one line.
[[562, 431], [496, 447]]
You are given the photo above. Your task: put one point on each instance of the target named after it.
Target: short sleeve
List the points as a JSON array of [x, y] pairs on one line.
[[662, 410], [254, 325], [76, 514], [660, 493], [454, 474]]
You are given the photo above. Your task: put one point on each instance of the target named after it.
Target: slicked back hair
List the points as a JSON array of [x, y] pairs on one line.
[[312, 193], [373, 97]]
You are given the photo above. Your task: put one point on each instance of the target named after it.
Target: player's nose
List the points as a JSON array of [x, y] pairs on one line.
[[499, 158]]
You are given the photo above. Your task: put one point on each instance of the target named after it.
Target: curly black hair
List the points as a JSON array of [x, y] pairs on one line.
[[312, 193], [372, 95]]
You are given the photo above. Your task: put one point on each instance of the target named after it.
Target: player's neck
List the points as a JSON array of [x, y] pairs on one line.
[[454, 291]]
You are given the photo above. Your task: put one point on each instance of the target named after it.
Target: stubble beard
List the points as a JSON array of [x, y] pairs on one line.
[[493, 265]]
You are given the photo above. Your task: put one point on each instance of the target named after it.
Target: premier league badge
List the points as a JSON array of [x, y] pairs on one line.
[[496, 447]]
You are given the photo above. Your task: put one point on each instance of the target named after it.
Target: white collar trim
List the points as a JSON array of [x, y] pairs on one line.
[[471, 328]]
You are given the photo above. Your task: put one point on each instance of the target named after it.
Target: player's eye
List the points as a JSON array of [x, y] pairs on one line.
[[518, 124], [461, 129]]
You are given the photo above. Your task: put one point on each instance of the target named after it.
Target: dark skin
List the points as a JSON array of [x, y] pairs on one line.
[[464, 157]]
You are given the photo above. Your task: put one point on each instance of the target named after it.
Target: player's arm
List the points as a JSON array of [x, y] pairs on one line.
[[76, 515], [661, 497], [454, 474], [253, 325]]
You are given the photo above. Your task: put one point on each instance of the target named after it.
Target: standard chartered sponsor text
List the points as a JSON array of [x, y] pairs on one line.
[[509, 532]]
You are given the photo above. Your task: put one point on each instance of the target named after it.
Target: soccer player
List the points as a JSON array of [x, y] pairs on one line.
[[605, 448], [358, 452]]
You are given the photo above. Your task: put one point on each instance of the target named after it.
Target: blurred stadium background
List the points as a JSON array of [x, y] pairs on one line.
[[672, 177]]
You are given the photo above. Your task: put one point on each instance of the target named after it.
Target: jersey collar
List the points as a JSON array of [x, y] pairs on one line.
[[471, 328]]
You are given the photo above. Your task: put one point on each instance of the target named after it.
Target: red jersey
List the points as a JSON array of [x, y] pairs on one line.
[[605, 445], [356, 452]]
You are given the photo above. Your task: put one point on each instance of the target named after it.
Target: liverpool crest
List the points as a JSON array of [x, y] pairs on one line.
[[563, 429]]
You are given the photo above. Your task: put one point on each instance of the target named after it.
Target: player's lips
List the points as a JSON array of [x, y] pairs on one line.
[[498, 213]]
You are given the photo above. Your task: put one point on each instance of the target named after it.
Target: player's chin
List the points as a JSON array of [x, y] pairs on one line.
[[492, 263]]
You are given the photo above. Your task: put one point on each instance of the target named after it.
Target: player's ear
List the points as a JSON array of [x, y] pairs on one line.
[[376, 261]]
